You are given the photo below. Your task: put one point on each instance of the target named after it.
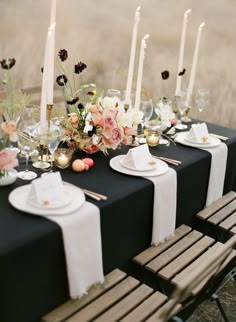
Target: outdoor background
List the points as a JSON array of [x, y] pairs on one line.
[[98, 32]]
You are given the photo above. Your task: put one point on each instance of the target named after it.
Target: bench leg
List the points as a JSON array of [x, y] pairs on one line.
[[215, 298]]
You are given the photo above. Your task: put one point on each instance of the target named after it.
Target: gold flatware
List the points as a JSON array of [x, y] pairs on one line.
[[95, 195], [168, 160], [221, 137]]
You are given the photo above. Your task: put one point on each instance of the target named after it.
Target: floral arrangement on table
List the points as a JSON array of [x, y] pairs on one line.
[[8, 157], [95, 122], [11, 106]]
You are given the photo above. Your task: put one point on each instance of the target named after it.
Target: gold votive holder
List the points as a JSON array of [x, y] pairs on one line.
[[152, 138], [62, 158]]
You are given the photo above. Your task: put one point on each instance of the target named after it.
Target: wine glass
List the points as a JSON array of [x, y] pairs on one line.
[[182, 105], [201, 100], [112, 92], [146, 107], [54, 137], [27, 141], [164, 114]]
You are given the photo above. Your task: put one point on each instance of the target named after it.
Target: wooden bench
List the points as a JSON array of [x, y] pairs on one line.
[[187, 261], [221, 214], [119, 298]]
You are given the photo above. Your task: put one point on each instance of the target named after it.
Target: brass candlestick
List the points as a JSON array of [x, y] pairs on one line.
[[49, 110]]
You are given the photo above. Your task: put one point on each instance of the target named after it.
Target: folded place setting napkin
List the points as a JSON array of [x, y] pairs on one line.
[[165, 192], [83, 253], [199, 134]]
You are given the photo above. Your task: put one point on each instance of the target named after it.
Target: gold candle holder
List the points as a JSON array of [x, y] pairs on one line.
[[49, 110]]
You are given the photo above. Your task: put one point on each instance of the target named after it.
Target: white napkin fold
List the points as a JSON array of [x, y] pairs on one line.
[[83, 248], [217, 172], [199, 133], [138, 157], [164, 207]]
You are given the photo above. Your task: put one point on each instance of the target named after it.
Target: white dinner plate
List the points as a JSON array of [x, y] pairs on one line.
[[161, 168], [18, 199], [146, 167], [182, 138], [60, 202]]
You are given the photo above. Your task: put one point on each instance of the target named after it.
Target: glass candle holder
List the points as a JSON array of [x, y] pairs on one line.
[[62, 158], [152, 138]]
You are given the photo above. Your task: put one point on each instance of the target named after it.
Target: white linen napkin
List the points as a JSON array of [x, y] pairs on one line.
[[138, 157], [164, 207], [83, 249], [217, 172], [198, 133]]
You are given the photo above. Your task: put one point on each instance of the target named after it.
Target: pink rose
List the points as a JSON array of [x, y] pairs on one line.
[[8, 159], [129, 131], [110, 112], [95, 108], [114, 140], [97, 118], [9, 128], [73, 119]]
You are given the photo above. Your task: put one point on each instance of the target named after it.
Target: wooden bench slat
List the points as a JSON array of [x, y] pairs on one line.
[[151, 252], [216, 206], [228, 222], [223, 213], [172, 252], [99, 305], [68, 308], [157, 316], [200, 285], [145, 309], [117, 311], [196, 265], [186, 258], [233, 230]]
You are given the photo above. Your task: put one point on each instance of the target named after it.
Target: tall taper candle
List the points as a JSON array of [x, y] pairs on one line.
[[181, 52], [132, 57], [140, 72], [48, 69], [194, 64]]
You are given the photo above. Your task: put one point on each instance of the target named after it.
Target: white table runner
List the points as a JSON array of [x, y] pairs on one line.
[[217, 172], [164, 206], [83, 249]]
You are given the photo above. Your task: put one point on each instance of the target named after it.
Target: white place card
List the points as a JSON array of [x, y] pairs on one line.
[[138, 156], [47, 189], [199, 133]]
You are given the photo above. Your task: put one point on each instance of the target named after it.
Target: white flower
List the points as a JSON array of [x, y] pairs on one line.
[[111, 102]]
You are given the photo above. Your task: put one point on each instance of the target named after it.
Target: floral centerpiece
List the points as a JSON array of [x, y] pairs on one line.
[[95, 122], [8, 157]]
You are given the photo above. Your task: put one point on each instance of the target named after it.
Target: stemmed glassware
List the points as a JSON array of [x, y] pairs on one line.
[[182, 107], [164, 113], [54, 137], [201, 100], [146, 107], [111, 92], [27, 140]]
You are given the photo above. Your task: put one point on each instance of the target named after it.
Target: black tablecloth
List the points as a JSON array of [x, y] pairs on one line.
[[32, 263]]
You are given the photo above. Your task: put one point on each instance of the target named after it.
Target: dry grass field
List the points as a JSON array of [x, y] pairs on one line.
[[98, 32]]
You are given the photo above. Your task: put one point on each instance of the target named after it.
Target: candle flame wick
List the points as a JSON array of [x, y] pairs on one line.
[[202, 25], [146, 36], [138, 9], [188, 11]]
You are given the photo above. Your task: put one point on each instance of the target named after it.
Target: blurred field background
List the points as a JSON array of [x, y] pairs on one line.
[[98, 32]]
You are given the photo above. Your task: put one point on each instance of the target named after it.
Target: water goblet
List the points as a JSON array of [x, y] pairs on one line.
[[182, 105], [112, 92], [53, 137], [201, 100], [146, 107], [27, 141]]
